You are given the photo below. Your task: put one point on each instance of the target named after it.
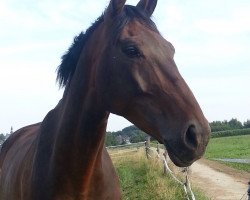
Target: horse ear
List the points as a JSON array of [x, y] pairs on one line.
[[115, 7], [147, 5]]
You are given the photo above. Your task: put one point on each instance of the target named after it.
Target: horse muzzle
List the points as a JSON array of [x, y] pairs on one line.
[[189, 147]]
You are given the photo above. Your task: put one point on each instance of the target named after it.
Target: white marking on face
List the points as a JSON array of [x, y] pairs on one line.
[[140, 80]]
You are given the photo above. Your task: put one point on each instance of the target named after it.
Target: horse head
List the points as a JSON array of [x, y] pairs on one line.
[[142, 83], [134, 73]]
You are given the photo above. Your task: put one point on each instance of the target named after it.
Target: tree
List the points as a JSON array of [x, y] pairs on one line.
[[138, 136], [225, 125], [110, 139], [219, 126], [247, 124], [235, 124], [2, 138]]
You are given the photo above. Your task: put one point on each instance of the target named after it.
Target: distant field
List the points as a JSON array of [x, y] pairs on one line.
[[230, 147], [144, 179]]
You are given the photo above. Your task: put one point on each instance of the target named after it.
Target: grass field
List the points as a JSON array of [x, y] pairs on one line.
[[230, 147], [143, 179]]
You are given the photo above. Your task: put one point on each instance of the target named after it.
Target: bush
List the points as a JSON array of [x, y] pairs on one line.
[[226, 133]]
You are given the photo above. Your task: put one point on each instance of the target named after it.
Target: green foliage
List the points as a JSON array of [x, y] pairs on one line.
[[230, 147], [235, 124], [110, 139], [129, 130], [137, 136], [247, 124], [2, 138], [225, 125], [231, 133]]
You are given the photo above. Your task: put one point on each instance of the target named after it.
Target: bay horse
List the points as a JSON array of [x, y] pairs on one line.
[[120, 65]]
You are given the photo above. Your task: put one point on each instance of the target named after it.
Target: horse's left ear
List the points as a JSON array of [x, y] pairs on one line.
[[115, 8], [147, 5]]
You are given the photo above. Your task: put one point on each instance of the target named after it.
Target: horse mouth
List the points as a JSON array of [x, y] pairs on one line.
[[179, 162]]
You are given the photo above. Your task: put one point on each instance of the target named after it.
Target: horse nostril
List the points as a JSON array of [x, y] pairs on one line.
[[191, 137]]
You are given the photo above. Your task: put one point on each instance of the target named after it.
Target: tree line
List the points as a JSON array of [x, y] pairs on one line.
[[228, 125], [132, 134]]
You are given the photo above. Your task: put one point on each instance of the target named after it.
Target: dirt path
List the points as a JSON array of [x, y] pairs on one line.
[[218, 181]]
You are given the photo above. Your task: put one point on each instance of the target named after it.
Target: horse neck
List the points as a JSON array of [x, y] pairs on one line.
[[75, 131], [81, 128]]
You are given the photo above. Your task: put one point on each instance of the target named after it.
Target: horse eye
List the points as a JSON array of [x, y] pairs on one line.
[[131, 51]]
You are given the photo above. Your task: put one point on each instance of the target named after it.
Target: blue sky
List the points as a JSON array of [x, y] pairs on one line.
[[211, 38]]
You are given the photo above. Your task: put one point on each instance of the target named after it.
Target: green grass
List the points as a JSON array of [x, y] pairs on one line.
[[230, 147], [143, 179]]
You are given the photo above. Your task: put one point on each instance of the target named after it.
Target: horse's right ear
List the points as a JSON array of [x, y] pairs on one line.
[[115, 8], [147, 5]]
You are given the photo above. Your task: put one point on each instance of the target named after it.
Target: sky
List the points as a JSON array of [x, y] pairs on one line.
[[211, 38]]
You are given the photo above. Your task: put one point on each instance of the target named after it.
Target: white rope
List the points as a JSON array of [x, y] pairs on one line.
[[186, 185], [171, 172], [243, 196]]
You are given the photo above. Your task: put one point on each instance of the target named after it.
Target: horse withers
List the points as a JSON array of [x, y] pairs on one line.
[[120, 65]]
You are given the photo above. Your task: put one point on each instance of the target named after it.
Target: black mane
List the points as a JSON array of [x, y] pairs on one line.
[[70, 58], [68, 65]]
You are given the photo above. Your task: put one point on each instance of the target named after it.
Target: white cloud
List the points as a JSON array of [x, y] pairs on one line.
[[238, 23], [170, 14], [23, 48], [220, 96]]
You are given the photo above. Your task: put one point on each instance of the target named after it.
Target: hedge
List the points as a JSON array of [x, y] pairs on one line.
[[226, 133]]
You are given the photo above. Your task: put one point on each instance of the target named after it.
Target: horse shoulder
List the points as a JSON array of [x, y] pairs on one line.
[[110, 183]]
